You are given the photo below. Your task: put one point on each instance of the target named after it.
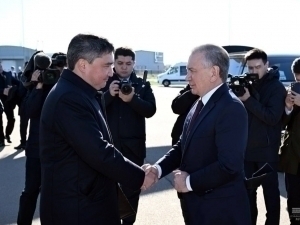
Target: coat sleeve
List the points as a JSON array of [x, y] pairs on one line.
[[145, 106], [34, 103], [230, 140], [77, 122], [171, 160], [271, 112]]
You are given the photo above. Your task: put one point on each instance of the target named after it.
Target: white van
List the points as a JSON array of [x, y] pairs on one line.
[[175, 75]]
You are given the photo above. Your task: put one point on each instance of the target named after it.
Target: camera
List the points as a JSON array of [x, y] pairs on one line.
[[42, 62], [49, 76], [295, 86], [125, 87], [237, 83]]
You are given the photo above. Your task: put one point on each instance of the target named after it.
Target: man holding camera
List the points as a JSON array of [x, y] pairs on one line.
[[264, 101], [290, 149], [128, 102], [33, 106]]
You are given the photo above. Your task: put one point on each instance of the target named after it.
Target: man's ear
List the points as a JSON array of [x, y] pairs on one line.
[[81, 65], [215, 73]]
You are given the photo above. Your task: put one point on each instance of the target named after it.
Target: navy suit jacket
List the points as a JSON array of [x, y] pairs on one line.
[[213, 154]]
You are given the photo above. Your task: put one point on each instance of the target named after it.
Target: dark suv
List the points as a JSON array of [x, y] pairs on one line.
[[283, 61]]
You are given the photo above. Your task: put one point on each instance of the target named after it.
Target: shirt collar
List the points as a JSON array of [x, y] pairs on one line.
[[207, 96]]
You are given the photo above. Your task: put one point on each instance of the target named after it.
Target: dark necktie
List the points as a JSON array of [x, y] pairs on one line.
[[196, 113]]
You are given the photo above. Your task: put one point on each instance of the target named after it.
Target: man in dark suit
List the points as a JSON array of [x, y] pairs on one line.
[[209, 156], [80, 167]]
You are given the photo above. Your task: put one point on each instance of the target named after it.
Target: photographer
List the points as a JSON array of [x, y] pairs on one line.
[[40, 87], [290, 149], [181, 105], [7, 84], [127, 107], [264, 101]]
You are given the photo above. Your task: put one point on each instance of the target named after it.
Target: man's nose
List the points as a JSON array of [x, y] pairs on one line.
[[110, 72]]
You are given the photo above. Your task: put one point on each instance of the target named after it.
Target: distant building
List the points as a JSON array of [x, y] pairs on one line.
[[148, 60], [14, 56]]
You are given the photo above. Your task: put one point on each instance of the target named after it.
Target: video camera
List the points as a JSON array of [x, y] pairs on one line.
[[40, 61], [125, 86], [237, 83]]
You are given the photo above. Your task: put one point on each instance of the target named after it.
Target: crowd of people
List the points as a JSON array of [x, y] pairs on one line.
[[86, 146]]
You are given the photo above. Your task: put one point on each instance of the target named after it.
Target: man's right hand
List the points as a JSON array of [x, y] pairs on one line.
[[35, 75], [289, 102], [114, 88], [151, 176]]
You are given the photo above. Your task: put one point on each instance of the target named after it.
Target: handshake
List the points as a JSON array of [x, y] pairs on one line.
[[151, 177]]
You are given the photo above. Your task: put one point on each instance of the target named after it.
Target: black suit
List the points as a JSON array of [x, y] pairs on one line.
[[80, 166], [214, 157]]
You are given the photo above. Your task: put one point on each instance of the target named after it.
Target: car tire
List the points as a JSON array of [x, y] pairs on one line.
[[166, 83]]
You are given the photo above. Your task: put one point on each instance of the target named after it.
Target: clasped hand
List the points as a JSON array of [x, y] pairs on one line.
[[151, 176]]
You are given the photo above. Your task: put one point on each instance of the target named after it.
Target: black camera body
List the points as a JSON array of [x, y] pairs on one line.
[[237, 83], [125, 87], [49, 76], [295, 86]]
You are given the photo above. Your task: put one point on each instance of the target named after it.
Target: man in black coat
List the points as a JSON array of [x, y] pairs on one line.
[[265, 103], [6, 82], [126, 113], [81, 168]]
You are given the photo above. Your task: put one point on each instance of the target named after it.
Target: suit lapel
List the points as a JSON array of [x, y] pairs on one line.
[[204, 112]]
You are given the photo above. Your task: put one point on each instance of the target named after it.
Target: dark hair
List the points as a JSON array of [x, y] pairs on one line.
[[296, 66], [88, 47], [256, 54], [56, 54], [124, 52], [215, 56]]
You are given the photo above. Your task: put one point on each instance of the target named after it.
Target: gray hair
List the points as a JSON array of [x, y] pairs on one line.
[[88, 47], [215, 56]]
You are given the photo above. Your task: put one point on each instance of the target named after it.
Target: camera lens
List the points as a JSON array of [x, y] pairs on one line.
[[126, 89]]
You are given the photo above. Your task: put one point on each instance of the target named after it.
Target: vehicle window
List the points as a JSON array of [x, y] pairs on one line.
[[183, 71], [173, 70], [236, 65], [284, 64]]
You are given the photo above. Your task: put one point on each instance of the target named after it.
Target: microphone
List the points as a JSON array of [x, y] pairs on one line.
[[42, 61]]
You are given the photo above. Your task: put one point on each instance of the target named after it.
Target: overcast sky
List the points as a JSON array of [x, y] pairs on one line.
[[170, 26]]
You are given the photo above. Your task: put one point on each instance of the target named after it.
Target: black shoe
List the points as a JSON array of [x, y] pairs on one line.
[[20, 147], [8, 139]]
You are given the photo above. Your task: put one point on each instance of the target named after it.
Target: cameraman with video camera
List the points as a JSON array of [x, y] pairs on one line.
[[264, 101], [128, 100], [45, 75]]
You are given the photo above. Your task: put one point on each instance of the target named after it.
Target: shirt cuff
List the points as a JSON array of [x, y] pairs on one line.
[[158, 169], [288, 112], [188, 184]]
